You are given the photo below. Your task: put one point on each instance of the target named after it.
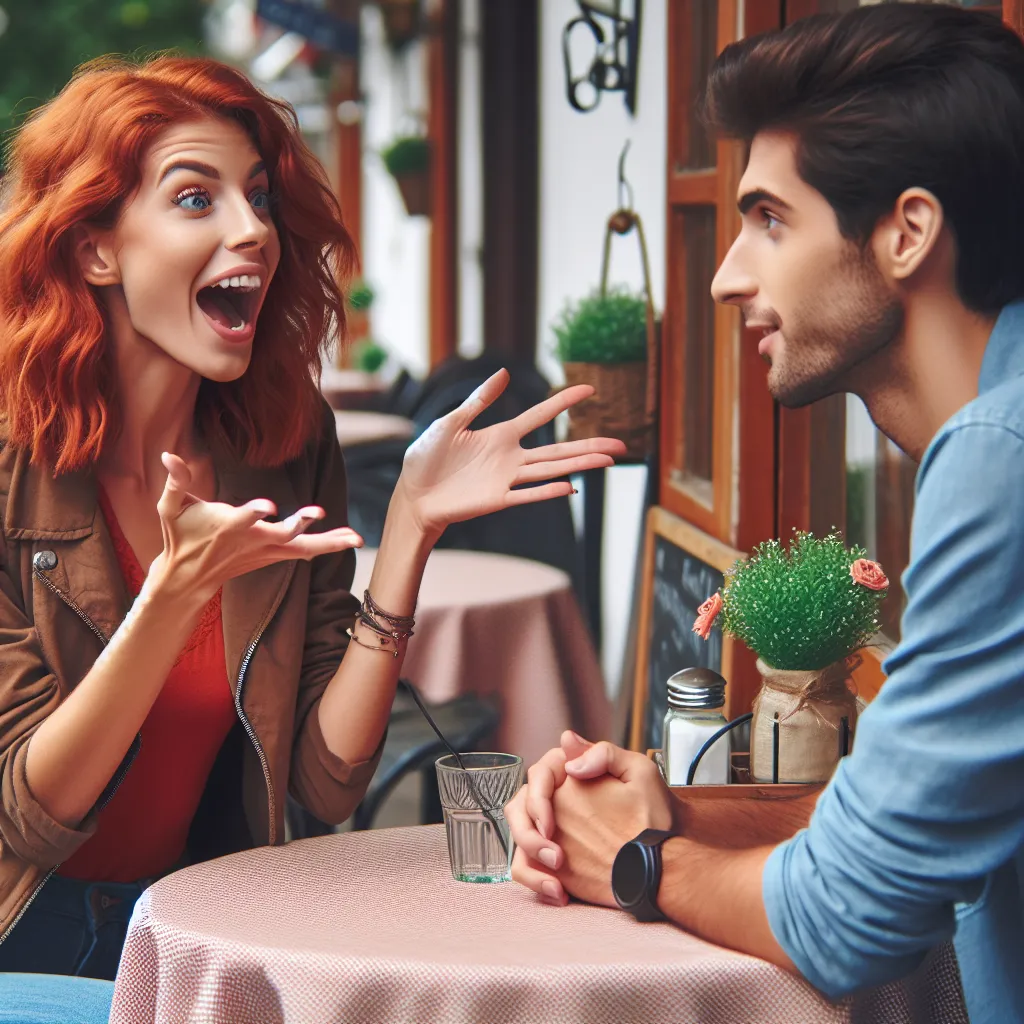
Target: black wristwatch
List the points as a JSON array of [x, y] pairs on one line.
[[636, 875]]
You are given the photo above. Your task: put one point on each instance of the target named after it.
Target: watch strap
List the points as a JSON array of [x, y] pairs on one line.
[[646, 907]]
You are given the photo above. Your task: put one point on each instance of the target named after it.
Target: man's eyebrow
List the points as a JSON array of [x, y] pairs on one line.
[[198, 167], [750, 199]]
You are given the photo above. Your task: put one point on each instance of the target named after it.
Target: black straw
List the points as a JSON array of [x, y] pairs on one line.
[[455, 754], [775, 748]]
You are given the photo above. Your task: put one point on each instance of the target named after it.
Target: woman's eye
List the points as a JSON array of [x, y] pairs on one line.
[[195, 200], [260, 199]]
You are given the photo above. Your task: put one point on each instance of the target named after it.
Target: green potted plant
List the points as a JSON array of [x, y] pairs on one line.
[[602, 341], [407, 160], [359, 298], [805, 612], [369, 356]]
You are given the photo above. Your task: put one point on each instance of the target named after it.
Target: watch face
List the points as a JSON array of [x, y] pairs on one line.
[[628, 875]]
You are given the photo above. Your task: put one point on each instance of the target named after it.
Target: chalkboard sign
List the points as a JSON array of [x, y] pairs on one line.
[[682, 583], [683, 567]]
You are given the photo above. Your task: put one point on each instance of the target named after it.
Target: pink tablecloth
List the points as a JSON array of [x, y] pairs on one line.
[[492, 624], [356, 427], [370, 927]]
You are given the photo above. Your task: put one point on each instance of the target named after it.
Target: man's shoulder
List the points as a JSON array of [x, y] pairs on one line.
[[991, 423]]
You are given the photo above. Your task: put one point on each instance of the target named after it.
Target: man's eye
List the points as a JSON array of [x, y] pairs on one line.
[[195, 200]]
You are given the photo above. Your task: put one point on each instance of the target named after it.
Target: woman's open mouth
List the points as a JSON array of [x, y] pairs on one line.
[[231, 305]]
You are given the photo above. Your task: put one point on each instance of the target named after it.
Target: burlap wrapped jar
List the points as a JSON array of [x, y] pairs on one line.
[[810, 707]]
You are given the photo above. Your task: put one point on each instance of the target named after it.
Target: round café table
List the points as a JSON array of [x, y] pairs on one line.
[[370, 928], [509, 628], [358, 427], [351, 389]]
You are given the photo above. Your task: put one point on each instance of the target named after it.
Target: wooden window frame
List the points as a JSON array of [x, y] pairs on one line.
[[712, 187]]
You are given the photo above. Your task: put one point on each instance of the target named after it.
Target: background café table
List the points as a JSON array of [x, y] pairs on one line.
[[370, 927], [511, 628], [358, 427]]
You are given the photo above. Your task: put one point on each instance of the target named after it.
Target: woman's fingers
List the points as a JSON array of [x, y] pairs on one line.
[[175, 495], [547, 410], [309, 545], [574, 449], [526, 495], [546, 470], [482, 397]]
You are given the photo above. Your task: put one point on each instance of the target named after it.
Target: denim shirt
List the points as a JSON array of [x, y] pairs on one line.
[[918, 838]]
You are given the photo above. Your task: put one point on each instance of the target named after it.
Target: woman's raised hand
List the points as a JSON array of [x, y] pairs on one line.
[[209, 542], [452, 473]]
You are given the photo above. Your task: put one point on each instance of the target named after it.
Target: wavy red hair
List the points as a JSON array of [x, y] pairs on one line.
[[77, 160]]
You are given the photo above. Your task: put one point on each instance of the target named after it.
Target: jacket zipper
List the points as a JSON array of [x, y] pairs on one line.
[[28, 903], [271, 802], [121, 774], [118, 779]]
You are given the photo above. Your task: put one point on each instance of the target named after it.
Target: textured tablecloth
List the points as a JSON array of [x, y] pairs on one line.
[[357, 427], [512, 628], [351, 389], [370, 927]]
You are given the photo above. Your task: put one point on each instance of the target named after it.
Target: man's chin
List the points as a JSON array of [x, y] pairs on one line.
[[792, 394]]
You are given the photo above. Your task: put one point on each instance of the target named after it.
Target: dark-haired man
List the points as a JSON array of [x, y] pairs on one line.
[[881, 253]]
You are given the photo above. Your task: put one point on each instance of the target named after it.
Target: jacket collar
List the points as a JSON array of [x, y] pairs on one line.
[[63, 511], [1004, 353]]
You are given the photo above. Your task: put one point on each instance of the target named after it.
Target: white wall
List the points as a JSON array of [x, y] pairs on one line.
[[578, 192], [396, 247]]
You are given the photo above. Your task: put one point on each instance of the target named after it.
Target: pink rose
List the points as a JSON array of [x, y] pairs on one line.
[[869, 574], [706, 615]]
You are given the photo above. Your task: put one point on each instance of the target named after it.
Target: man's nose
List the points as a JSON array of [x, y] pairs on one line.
[[733, 283]]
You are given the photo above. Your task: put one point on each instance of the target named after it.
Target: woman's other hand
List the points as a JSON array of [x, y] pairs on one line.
[[452, 473], [209, 542]]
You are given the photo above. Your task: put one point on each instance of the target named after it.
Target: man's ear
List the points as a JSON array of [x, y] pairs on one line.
[[96, 256], [906, 238]]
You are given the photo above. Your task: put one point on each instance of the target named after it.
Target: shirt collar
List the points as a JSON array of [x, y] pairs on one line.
[[1004, 353]]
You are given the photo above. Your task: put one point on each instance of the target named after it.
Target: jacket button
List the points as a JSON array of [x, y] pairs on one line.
[[44, 561]]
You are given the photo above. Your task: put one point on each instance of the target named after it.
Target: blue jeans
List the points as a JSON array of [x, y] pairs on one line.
[[53, 999], [72, 927]]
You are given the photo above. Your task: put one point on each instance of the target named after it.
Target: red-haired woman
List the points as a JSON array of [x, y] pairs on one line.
[[174, 657]]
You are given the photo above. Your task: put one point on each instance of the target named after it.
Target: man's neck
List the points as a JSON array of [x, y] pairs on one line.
[[928, 375]]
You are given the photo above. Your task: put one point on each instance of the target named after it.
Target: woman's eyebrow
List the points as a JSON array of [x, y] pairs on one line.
[[198, 167]]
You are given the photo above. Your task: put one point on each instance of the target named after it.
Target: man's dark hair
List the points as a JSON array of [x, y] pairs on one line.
[[889, 97]]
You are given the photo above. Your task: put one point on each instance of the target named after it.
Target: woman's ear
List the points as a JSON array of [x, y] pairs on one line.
[[95, 256]]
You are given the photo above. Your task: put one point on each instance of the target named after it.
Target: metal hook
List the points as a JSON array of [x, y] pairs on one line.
[[624, 185]]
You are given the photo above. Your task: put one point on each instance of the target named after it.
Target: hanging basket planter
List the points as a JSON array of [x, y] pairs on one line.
[[401, 21], [408, 160], [610, 341]]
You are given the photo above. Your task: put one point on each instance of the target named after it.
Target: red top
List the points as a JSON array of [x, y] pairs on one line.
[[142, 830]]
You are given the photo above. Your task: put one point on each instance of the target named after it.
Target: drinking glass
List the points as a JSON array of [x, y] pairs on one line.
[[473, 799]]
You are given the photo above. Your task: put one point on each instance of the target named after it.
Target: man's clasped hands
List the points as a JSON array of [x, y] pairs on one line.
[[582, 802]]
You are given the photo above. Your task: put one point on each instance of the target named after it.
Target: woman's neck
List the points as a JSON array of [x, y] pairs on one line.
[[157, 403]]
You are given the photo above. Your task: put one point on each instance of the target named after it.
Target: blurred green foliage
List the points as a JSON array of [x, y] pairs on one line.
[[45, 40]]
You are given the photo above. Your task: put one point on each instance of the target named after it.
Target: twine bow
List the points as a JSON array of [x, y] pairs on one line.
[[830, 686]]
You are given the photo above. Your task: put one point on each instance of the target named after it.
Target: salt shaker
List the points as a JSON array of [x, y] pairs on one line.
[[695, 699]]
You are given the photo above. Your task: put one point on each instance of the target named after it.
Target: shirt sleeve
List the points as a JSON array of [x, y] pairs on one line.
[[931, 800]]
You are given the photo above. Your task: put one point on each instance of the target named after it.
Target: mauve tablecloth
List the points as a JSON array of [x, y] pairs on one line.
[[511, 628], [370, 927]]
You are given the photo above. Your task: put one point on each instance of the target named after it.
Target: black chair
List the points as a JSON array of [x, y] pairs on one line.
[[411, 745]]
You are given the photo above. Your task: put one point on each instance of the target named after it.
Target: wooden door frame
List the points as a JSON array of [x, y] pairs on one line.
[[443, 132]]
